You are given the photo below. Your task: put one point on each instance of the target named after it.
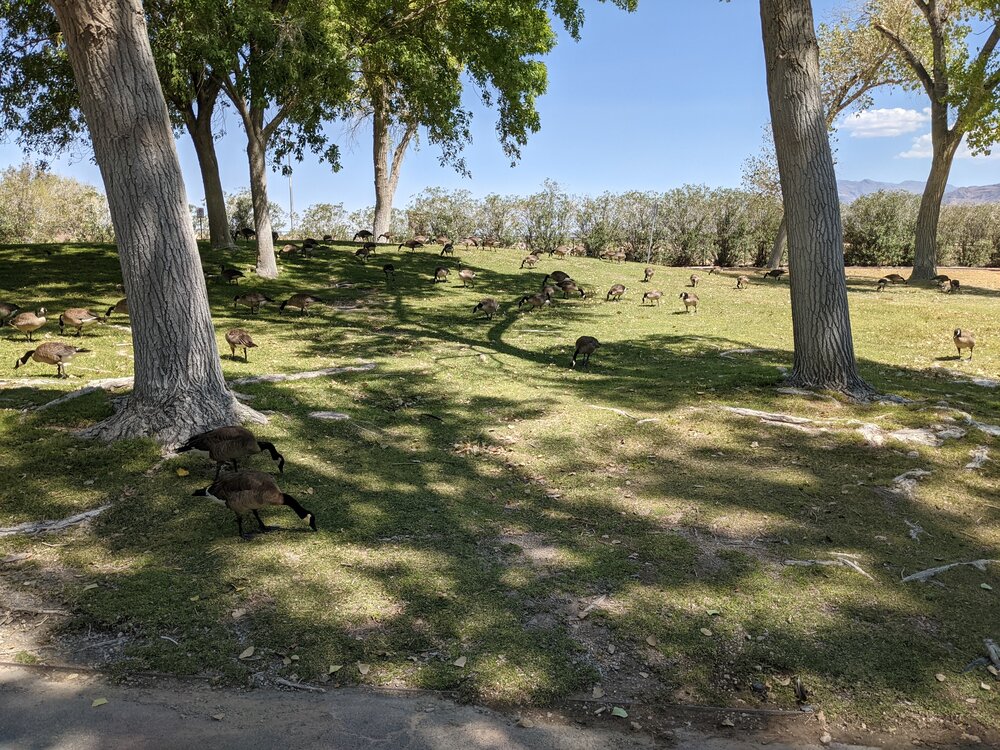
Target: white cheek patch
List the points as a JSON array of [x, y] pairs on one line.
[[214, 499], [198, 452]]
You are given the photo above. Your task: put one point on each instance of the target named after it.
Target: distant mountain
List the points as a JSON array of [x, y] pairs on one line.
[[851, 190]]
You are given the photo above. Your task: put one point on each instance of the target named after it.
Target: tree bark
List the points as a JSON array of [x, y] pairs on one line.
[[821, 323], [944, 144], [199, 127], [388, 162], [178, 388], [778, 249], [267, 265]]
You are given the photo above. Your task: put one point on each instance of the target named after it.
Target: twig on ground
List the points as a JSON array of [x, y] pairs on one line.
[[308, 374], [638, 420], [842, 559], [38, 527], [299, 685], [924, 575]]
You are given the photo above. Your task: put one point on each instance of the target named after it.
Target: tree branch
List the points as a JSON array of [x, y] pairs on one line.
[[909, 55]]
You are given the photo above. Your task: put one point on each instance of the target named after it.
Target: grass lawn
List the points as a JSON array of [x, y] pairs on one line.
[[483, 502]]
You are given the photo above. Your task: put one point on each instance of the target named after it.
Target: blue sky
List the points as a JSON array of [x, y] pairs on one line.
[[671, 94]]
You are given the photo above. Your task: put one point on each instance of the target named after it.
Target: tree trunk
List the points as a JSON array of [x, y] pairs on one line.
[[267, 265], [388, 162], [778, 249], [179, 388], [821, 323], [200, 130], [925, 253]]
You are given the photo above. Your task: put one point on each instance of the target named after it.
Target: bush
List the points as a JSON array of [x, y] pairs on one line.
[[880, 229], [38, 206]]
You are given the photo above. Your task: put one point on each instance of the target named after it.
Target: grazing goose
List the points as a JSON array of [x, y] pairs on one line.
[[648, 273], [964, 340], [227, 445], [52, 353], [249, 492], [529, 261], [585, 345], [440, 274], [78, 318], [881, 284], [120, 307], [302, 301], [489, 306], [467, 275], [941, 277], [556, 276], [617, 291], [362, 234], [231, 275], [390, 271], [895, 278], [742, 282], [539, 299], [774, 273], [448, 249], [695, 278], [385, 236], [411, 244], [7, 309], [237, 338], [29, 322], [690, 301], [571, 287], [653, 295], [954, 285], [253, 300], [715, 269]]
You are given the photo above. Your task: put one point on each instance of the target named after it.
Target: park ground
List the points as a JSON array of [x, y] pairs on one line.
[[515, 533]]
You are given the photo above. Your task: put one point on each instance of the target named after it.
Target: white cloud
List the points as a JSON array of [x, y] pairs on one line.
[[884, 123], [921, 148]]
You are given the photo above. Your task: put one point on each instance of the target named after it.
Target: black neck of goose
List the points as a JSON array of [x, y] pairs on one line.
[[269, 447], [24, 360]]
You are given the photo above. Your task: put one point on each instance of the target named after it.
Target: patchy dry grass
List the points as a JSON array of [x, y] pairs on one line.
[[476, 504]]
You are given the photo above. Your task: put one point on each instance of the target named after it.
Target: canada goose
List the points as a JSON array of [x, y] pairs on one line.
[[443, 239], [695, 278], [385, 236], [616, 291], [467, 275], [229, 445], [77, 317], [327, 238], [231, 275], [412, 244], [362, 254], [248, 492], [302, 301], [571, 287], [288, 249], [774, 273], [619, 257], [361, 234], [440, 274], [448, 249], [715, 269], [556, 276], [648, 275], [945, 286], [247, 233], [895, 278], [253, 300], [538, 299], [954, 285], [309, 242], [881, 284], [29, 322], [964, 340], [473, 241], [941, 277], [559, 252], [742, 282], [652, 295], [52, 353], [7, 309], [422, 239], [585, 345], [690, 301], [529, 261], [120, 307], [390, 271], [489, 306], [237, 338]]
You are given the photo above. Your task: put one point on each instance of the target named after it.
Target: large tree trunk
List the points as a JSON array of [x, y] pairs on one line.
[[925, 254], [267, 265], [821, 323], [200, 130], [778, 248], [179, 388], [388, 162]]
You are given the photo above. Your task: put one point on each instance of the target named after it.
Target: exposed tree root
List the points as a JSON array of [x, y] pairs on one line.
[[106, 384], [924, 575], [638, 420], [280, 378], [333, 416], [38, 527], [840, 559]]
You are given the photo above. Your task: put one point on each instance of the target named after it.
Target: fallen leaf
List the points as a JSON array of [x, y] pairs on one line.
[[286, 661], [248, 653], [993, 670], [363, 668], [98, 702], [727, 722], [238, 613], [218, 717], [620, 712], [651, 640], [309, 490], [612, 648], [334, 668], [182, 472], [598, 692], [195, 598], [90, 586], [460, 661], [636, 726], [294, 657], [984, 686], [706, 631], [940, 677], [985, 587]]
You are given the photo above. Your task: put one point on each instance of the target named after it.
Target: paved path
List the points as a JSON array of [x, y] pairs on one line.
[[55, 712]]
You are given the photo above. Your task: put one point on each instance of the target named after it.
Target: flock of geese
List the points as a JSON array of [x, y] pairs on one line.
[[247, 492]]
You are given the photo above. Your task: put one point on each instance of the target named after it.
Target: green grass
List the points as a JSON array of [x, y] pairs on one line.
[[476, 501]]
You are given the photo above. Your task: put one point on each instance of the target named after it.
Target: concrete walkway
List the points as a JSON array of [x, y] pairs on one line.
[[55, 711]]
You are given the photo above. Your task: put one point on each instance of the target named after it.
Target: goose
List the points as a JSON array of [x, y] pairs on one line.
[[253, 300], [467, 275], [390, 271], [653, 295], [302, 301], [742, 282], [690, 301], [774, 273], [954, 285], [695, 278], [941, 277], [120, 307], [29, 322], [585, 345], [231, 275], [228, 445], [249, 492], [571, 287], [448, 249], [530, 261], [362, 234], [237, 338], [362, 254], [78, 318], [487, 305], [556, 276], [881, 284], [411, 244], [648, 273], [716, 268], [52, 353], [7, 310], [385, 236], [964, 340], [895, 278], [617, 291], [440, 274], [535, 300]]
